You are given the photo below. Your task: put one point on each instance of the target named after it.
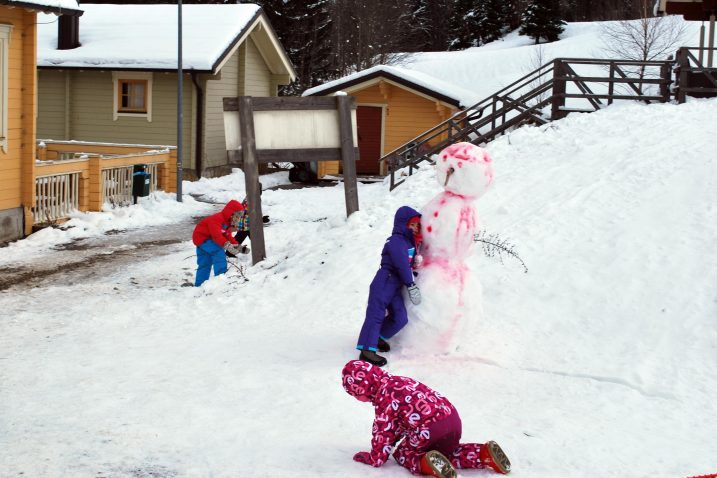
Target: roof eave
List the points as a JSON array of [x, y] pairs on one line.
[[395, 78], [42, 8], [244, 34], [111, 68]]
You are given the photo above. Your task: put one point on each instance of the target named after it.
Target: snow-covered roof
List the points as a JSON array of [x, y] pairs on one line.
[[144, 37], [70, 7], [416, 80], [476, 73]]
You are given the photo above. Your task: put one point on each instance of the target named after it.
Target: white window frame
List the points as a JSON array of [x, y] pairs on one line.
[[131, 75], [5, 32]]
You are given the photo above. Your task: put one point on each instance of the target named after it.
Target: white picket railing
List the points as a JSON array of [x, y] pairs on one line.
[[117, 184], [153, 170], [56, 197]]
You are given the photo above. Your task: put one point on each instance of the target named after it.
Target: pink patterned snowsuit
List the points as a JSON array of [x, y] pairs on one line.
[[407, 408]]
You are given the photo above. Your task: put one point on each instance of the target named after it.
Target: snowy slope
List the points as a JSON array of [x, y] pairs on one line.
[[598, 362], [490, 68]]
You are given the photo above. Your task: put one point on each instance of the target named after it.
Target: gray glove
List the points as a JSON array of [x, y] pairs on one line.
[[414, 294], [232, 249], [244, 249]]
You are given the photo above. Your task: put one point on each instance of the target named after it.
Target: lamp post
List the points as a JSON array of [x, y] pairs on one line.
[[180, 109]]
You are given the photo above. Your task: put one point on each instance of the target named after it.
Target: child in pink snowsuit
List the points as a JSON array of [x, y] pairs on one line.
[[425, 419]]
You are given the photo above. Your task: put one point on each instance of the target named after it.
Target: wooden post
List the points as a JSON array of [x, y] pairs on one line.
[[84, 199], [611, 85], [683, 64], [558, 91], [251, 179], [665, 73], [95, 190], [348, 154]]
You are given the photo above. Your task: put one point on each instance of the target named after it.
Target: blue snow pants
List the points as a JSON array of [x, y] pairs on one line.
[[384, 295], [209, 254]]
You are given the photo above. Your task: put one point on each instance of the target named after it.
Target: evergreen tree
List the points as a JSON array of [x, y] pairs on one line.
[[492, 19], [309, 46], [465, 27], [542, 20], [304, 29], [431, 24]]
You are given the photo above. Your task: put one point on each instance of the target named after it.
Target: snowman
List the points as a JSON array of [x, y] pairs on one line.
[[451, 293]]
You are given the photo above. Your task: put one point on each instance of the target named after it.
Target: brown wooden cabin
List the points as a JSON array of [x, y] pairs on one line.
[[392, 109]]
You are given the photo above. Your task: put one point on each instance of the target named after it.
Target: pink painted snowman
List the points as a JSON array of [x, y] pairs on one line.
[[451, 294]]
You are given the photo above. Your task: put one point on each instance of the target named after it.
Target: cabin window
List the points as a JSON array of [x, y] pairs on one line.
[[5, 31], [133, 94]]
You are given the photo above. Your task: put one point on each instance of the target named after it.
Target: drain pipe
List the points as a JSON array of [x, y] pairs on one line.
[[199, 127]]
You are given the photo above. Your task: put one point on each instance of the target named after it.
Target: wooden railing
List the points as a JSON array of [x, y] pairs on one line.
[[56, 197], [693, 77], [95, 174], [117, 183], [548, 93]]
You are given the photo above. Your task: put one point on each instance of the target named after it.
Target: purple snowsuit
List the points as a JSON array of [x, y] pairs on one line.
[[385, 290]]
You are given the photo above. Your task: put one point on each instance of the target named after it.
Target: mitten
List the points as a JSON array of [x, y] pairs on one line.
[[363, 457], [417, 261], [414, 294], [244, 249], [231, 249]]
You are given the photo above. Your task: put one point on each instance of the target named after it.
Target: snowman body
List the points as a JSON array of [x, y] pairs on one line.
[[451, 293]]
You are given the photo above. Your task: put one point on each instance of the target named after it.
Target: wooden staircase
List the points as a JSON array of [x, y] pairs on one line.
[[546, 94]]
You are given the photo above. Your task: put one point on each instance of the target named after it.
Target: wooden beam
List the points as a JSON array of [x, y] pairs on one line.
[[348, 153], [290, 155], [284, 103], [251, 178]]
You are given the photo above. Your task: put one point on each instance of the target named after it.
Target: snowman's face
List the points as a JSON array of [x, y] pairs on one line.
[[464, 169]]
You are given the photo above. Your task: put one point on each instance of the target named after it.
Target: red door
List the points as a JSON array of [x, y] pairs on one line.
[[368, 120]]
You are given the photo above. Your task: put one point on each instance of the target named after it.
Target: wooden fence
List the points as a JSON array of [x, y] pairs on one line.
[[56, 197], [84, 176], [693, 77], [117, 184]]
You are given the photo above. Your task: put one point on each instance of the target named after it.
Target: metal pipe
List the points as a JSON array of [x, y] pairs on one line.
[[180, 107]]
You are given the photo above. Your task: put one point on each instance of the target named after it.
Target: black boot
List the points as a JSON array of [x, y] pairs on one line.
[[373, 358], [383, 346]]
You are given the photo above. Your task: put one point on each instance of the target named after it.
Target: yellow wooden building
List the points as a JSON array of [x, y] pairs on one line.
[[394, 105], [18, 103], [43, 182]]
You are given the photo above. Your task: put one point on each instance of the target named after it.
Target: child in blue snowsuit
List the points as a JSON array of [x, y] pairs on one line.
[[384, 295]]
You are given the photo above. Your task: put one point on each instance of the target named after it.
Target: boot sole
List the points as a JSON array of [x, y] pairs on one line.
[[441, 466], [499, 458], [378, 363]]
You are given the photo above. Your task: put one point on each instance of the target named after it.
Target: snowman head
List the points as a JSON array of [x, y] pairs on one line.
[[464, 169]]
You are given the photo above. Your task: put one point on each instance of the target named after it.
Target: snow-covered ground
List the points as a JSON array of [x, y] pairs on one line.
[[601, 361]]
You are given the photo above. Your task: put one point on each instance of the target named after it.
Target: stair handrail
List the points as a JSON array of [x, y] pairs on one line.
[[461, 115], [467, 122]]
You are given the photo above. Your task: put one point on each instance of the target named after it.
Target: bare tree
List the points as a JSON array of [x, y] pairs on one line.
[[539, 58], [648, 38]]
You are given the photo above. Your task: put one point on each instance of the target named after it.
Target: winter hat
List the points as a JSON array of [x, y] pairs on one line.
[[362, 378]]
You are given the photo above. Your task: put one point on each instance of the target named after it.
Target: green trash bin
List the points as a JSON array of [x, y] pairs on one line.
[[141, 181]]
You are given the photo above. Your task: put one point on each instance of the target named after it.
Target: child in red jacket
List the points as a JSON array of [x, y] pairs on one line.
[[422, 425], [209, 237]]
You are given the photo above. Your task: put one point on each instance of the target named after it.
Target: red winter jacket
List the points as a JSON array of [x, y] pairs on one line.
[[211, 227], [402, 404]]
